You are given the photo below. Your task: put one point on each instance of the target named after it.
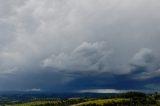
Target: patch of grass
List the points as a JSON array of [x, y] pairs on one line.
[[35, 103], [103, 101]]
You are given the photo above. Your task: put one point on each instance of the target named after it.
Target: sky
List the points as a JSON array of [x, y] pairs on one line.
[[79, 45]]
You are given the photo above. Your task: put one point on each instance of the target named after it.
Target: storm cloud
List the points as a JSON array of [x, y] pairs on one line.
[[48, 44], [86, 57]]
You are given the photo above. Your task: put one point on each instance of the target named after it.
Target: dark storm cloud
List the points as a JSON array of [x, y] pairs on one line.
[[44, 80], [145, 65], [108, 40]]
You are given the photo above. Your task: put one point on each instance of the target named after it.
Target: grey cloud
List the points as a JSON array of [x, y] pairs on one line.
[[144, 58], [86, 57], [145, 64], [7, 7], [148, 75], [32, 31]]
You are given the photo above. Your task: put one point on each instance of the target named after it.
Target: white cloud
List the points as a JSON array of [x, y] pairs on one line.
[[34, 90], [105, 91]]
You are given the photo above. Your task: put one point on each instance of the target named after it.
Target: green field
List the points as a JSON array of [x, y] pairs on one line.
[[35, 103], [76, 102], [128, 99], [98, 102], [102, 102]]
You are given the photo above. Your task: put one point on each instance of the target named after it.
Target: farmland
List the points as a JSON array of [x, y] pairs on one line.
[[127, 99]]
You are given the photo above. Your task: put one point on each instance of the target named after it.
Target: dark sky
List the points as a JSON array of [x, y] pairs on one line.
[[78, 45]]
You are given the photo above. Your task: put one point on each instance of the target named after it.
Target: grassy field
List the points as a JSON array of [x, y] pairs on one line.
[[98, 102], [59, 103], [103, 101], [35, 103], [127, 99]]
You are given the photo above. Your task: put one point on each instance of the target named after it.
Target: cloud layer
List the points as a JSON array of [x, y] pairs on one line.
[[59, 43], [86, 57]]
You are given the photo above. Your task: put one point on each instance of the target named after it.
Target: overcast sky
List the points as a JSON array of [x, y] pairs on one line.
[[73, 45]]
